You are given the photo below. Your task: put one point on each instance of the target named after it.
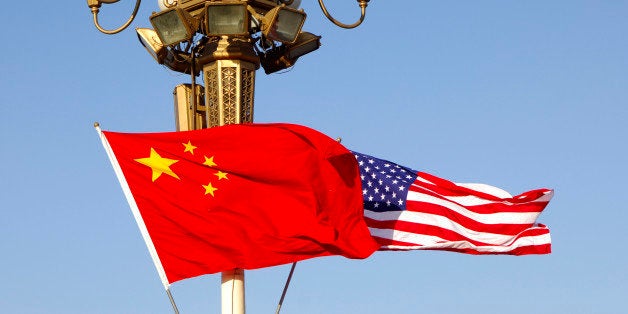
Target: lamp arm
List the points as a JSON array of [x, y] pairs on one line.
[[94, 5], [362, 3]]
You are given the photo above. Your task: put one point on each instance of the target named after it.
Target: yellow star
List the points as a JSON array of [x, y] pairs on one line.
[[209, 161], [209, 189], [221, 175], [189, 147], [158, 164]]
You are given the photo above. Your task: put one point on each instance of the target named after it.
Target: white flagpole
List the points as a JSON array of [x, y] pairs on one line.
[[232, 292]]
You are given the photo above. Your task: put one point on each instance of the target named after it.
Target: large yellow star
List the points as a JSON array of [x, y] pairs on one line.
[[189, 147], [209, 189], [209, 161], [158, 164]]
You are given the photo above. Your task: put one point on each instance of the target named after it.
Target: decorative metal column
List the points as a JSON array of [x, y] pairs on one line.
[[230, 83]]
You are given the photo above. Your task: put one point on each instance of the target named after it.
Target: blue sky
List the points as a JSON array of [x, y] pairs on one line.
[[516, 94]]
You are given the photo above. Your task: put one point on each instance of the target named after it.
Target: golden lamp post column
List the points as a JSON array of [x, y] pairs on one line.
[[230, 82], [229, 86]]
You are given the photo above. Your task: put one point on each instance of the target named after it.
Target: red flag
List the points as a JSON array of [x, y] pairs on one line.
[[245, 196]]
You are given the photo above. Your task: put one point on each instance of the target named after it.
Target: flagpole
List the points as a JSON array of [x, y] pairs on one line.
[[174, 305], [285, 288], [232, 291]]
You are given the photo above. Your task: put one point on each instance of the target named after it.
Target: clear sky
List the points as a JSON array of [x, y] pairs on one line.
[[516, 94]]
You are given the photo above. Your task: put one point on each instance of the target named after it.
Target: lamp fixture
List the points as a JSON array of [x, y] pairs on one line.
[[305, 43], [286, 55], [174, 60], [174, 26], [283, 23], [150, 40], [226, 19]]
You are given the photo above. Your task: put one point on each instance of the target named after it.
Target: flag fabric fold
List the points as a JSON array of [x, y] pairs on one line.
[[240, 196], [410, 210]]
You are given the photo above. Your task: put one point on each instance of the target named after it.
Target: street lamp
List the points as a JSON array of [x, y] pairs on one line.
[[226, 41]]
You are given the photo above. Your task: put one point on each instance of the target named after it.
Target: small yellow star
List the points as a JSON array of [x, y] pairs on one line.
[[209, 162], [189, 147], [158, 164], [209, 189], [221, 175]]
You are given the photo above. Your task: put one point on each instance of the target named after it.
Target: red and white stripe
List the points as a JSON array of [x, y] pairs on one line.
[[468, 218]]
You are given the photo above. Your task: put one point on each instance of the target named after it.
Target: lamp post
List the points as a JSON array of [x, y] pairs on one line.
[[225, 42]]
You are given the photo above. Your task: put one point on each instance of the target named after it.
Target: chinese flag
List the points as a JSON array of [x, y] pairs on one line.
[[240, 196]]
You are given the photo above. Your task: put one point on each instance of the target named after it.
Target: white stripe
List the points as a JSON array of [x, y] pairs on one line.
[[134, 209], [431, 242], [487, 189], [480, 187], [495, 218]]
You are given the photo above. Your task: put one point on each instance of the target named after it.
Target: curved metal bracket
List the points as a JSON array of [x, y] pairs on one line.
[[362, 3], [94, 5]]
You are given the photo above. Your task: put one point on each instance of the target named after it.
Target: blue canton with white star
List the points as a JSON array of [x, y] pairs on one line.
[[384, 184]]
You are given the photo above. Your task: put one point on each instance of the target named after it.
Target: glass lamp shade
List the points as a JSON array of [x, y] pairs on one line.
[[283, 24], [171, 26], [227, 19]]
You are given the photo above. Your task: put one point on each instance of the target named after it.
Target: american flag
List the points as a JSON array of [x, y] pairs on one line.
[[411, 210]]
